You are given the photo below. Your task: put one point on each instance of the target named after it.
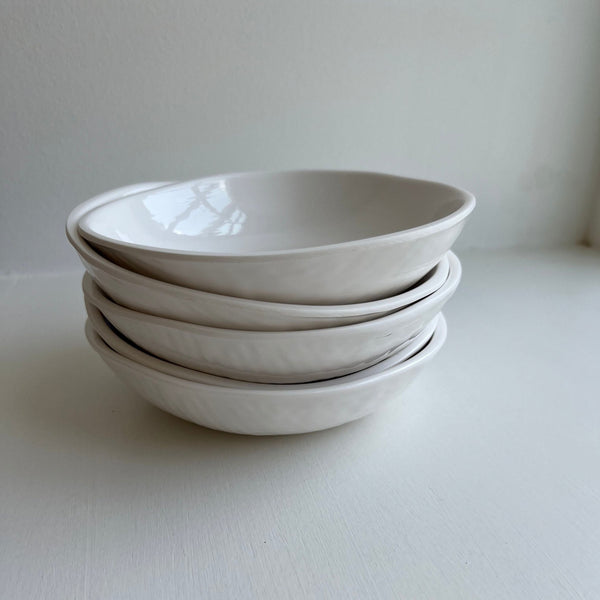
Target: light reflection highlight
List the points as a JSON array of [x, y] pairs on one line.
[[204, 208]]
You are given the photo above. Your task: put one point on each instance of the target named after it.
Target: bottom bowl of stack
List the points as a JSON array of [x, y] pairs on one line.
[[264, 409]]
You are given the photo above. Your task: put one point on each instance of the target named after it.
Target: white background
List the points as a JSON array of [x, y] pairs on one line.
[[481, 481], [499, 97]]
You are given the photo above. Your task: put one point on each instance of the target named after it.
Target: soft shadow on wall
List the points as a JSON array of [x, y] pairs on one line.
[[499, 98]]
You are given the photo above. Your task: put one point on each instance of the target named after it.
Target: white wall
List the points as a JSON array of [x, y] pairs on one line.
[[499, 97], [593, 233]]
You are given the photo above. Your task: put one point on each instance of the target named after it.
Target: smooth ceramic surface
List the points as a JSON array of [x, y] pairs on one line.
[[151, 296], [275, 356], [259, 412], [307, 237], [125, 348]]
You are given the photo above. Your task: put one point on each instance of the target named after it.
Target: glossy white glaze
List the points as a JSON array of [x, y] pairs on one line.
[[308, 237], [275, 356], [246, 214], [151, 296], [260, 412], [125, 348]]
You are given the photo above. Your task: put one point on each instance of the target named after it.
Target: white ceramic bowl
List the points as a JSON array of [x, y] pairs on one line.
[[307, 237], [274, 412], [275, 356], [154, 297], [125, 348]]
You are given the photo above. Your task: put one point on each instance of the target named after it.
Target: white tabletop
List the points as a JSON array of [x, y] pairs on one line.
[[482, 481]]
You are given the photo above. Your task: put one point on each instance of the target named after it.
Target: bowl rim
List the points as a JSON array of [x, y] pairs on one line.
[[428, 351], [122, 346], [405, 235], [98, 298], [90, 255]]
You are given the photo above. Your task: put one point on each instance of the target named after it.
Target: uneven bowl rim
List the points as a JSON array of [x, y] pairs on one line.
[[96, 296], [88, 254], [427, 352], [405, 235]]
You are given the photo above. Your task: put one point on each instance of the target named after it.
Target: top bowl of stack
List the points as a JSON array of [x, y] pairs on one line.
[[306, 237]]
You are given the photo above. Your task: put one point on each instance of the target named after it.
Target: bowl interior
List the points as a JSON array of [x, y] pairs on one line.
[[269, 212]]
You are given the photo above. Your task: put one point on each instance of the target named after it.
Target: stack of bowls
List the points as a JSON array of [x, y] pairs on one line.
[[270, 303]]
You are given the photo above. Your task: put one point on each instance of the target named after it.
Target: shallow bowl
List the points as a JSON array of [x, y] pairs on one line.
[[303, 237], [274, 412], [129, 350], [154, 297], [275, 356]]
